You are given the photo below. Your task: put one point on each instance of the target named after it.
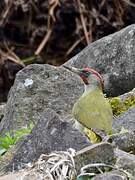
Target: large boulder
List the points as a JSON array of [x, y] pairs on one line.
[[42, 95], [124, 141], [126, 121], [49, 134], [126, 162], [36, 88], [113, 56], [96, 153], [126, 105], [124, 124]]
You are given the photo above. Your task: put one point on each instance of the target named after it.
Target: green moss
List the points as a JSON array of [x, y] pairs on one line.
[[11, 138], [120, 106]]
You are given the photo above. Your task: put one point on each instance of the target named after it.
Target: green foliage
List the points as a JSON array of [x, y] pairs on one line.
[[29, 60], [9, 139], [119, 106]]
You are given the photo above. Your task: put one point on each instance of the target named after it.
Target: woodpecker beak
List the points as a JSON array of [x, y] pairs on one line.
[[73, 69]]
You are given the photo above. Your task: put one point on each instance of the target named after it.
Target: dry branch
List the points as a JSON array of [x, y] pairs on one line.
[[83, 22], [43, 43]]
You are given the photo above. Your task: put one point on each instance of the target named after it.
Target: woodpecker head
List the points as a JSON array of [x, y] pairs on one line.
[[88, 75]]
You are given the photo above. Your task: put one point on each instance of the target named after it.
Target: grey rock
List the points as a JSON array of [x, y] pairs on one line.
[[127, 95], [126, 162], [109, 176], [49, 134], [44, 95], [97, 153], [124, 141], [36, 88], [126, 121], [114, 57], [47, 166]]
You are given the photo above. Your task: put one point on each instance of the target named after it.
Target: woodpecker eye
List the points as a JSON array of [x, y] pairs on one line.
[[85, 73]]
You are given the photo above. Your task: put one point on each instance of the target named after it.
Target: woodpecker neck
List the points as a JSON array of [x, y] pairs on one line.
[[93, 84], [91, 87]]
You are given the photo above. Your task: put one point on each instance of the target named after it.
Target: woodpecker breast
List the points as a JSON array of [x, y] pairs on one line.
[[92, 110]]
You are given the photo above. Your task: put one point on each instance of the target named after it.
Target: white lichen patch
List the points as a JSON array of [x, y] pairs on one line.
[[53, 131], [116, 74], [131, 32], [55, 77], [96, 52], [28, 82]]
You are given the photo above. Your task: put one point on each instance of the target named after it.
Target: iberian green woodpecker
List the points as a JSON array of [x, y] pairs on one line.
[[92, 109]]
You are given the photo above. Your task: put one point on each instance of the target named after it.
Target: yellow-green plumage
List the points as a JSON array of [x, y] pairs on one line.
[[93, 111]]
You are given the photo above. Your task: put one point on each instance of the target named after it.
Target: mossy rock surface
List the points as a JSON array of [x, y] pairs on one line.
[[122, 103]]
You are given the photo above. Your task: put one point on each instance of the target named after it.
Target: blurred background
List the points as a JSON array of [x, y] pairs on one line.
[[53, 31]]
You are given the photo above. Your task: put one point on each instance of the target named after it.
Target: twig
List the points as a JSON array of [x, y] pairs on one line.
[[129, 3], [54, 4], [12, 55], [45, 39], [105, 19], [7, 12], [75, 44], [43, 43], [34, 6], [83, 22], [101, 5]]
